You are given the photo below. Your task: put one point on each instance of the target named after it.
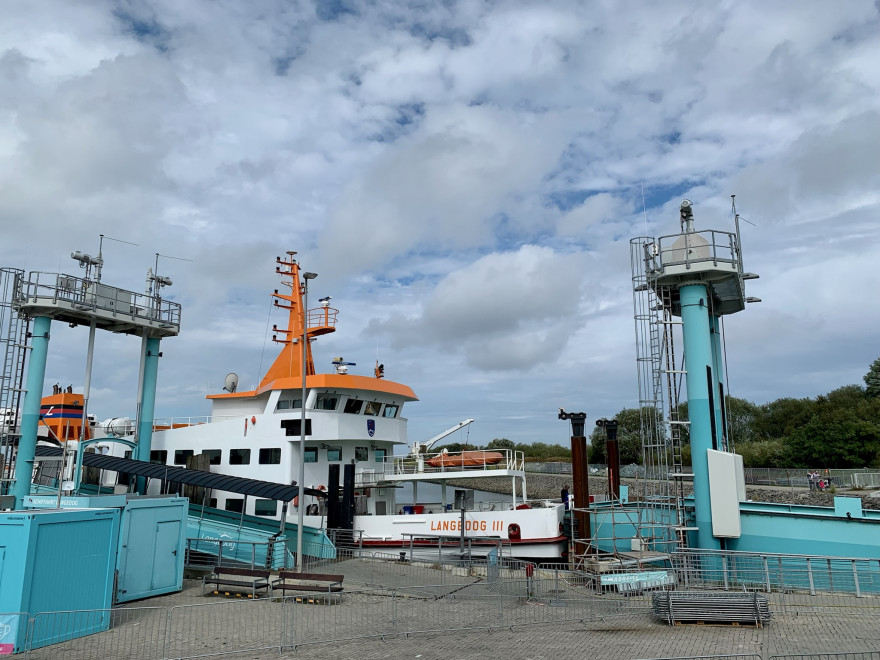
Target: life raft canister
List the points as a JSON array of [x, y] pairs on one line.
[[513, 531]]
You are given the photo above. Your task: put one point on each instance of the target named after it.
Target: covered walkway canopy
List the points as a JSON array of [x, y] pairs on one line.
[[251, 487]]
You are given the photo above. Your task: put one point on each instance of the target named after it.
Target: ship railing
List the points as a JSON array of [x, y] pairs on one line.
[[510, 460], [166, 423], [323, 317], [85, 295]]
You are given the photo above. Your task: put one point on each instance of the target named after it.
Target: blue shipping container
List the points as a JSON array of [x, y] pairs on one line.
[[52, 561]]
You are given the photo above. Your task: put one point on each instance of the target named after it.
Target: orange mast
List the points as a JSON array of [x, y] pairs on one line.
[[320, 322], [286, 371]]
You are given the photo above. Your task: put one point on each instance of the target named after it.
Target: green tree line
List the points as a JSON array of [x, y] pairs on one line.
[[840, 429]]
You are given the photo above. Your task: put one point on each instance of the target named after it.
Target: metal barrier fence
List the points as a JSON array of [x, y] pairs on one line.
[[752, 656], [867, 655], [787, 574], [235, 626], [782, 477], [387, 597], [138, 633], [864, 655]]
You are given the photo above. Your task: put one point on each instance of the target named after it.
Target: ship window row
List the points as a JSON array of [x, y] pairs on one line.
[[261, 507], [326, 401], [334, 454], [267, 456]]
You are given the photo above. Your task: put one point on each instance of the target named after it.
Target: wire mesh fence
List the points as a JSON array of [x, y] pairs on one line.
[[386, 597], [737, 656], [137, 633], [226, 627], [862, 655]]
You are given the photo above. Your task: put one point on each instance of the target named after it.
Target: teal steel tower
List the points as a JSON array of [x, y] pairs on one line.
[[44, 297], [697, 276]]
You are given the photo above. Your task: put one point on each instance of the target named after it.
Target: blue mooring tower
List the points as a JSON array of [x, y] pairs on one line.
[[691, 279]]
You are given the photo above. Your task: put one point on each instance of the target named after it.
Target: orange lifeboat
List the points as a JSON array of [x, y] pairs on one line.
[[466, 459]]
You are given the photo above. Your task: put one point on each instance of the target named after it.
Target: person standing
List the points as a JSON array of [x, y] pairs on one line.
[[565, 496]]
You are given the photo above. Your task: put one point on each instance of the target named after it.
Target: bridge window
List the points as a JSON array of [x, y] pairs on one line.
[[390, 410], [353, 406], [288, 404], [239, 456], [159, 456], [265, 507], [180, 456], [372, 408], [326, 402], [270, 456]]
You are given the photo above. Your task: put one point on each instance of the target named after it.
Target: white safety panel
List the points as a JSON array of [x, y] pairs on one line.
[[740, 478], [724, 494]]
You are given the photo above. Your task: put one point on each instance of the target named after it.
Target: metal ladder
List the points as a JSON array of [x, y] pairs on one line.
[[13, 356], [673, 375]]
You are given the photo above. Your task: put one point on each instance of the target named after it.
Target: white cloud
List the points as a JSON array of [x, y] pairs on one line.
[[465, 177]]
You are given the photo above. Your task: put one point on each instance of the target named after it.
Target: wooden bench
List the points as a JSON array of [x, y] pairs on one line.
[[316, 582], [237, 580]]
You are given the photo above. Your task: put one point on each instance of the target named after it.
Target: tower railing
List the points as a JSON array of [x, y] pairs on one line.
[[712, 246], [57, 291]]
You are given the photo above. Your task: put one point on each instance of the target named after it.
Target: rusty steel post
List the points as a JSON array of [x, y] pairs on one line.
[[613, 456], [580, 475]]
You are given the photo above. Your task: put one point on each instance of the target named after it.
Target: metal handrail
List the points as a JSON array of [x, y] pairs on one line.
[[86, 294]]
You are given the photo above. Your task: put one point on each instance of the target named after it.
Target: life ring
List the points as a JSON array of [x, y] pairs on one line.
[[513, 531], [253, 420]]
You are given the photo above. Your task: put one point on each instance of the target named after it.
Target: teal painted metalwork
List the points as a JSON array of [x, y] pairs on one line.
[[30, 418], [698, 355]]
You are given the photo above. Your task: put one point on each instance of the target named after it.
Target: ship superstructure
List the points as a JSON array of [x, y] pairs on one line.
[[352, 425]]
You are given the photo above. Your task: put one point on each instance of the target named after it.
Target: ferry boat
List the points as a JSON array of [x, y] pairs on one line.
[[353, 420]]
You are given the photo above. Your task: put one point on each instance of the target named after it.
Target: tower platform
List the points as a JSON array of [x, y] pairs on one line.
[[78, 301]]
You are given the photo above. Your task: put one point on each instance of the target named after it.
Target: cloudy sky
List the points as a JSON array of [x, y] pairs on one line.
[[465, 178]]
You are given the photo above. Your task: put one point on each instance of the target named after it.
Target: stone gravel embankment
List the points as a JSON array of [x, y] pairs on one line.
[[549, 486]]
